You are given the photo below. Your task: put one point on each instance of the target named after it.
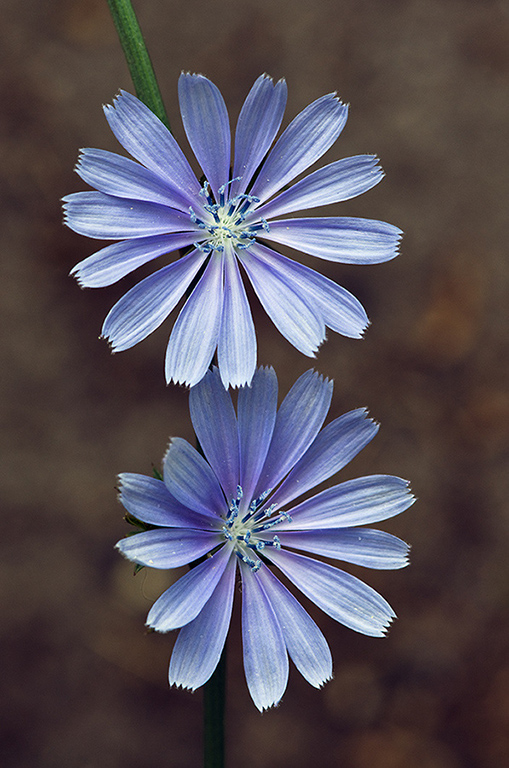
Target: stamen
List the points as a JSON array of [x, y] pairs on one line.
[[246, 202], [271, 523], [204, 192], [205, 247], [194, 218], [262, 224], [227, 533], [255, 565], [213, 209], [222, 189]]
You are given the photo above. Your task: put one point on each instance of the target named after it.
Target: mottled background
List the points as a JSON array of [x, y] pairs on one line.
[[83, 685]]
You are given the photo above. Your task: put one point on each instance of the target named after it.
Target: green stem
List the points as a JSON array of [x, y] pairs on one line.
[[147, 90], [137, 57], [213, 710]]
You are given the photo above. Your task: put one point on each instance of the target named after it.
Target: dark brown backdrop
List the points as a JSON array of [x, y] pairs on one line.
[[83, 686]]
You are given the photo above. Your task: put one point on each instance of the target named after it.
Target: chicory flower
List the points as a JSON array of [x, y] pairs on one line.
[[227, 224], [236, 510]]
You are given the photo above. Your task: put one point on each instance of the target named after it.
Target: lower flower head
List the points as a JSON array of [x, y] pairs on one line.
[[234, 510]]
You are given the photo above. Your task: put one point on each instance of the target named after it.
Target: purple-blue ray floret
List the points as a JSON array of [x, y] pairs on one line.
[[234, 513], [227, 226]]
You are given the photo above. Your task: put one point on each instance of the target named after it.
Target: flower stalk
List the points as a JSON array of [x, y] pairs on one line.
[[214, 698], [147, 90], [137, 57]]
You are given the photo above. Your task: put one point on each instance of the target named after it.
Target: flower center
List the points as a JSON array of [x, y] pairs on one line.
[[226, 220], [250, 533]]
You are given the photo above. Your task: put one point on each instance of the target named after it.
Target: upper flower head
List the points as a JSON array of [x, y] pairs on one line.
[[156, 205], [237, 507]]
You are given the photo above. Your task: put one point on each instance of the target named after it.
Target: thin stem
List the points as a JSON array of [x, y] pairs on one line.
[[213, 710], [147, 90], [137, 57]]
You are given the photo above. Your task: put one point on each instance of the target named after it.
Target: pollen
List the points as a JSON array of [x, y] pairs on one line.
[[228, 220]]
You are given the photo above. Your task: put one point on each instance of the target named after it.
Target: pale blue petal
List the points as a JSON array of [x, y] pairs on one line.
[[150, 142], [340, 311], [236, 350], [299, 419], [356, 502], [142, 309], [150, 501], [207, 127], [344, 239], [290, 313], [339, 594], [191, 480], [115, 261], [184, 600], [199, 645], [257, 126], [121, 177], [334, 183], [168, 547], [195, 334], [362, 546], [112, 218], [215, 424], [256, 413], [305, 140], [305, 642], [333, 448], [265, 656]]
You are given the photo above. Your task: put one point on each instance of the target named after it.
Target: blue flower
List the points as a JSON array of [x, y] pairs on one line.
[[236, 508], [156, 205]]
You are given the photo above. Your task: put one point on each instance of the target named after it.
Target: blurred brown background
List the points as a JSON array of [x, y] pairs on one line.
[[83, 685]]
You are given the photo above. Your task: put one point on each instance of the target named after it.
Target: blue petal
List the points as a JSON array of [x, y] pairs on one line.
[[150, 142], [196, 331], [344, 239], [341, 311], [150, 501], [207, 127], [236, 351], [265, 656], [332, 184], [334, 447], [305, 642], [341, 595], [215, 424], [256, 413], [299, 419], [184, 600], [362, 546], [257, 126], [112, 218], [191, 480], [118, 176], [169, 547], [115, 261], [142, 309], [357, 502], [305, 140], [199, 644], [290, 313]]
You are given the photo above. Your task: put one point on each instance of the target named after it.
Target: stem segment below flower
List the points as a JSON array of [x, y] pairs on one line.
[[137, 57]]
